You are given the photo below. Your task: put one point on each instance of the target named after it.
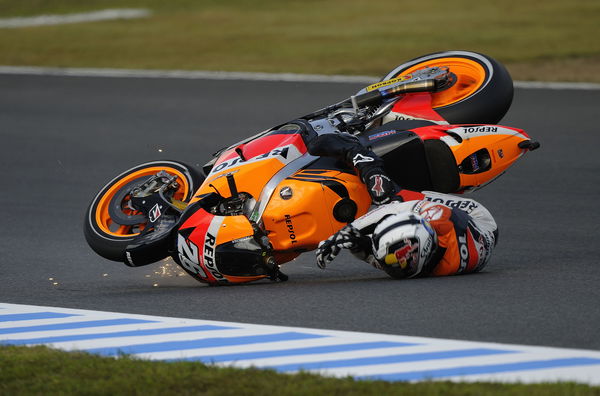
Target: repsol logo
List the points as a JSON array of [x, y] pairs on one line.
[[466, 205], [480, 129], [281, 152], [209, 256], [464, 252], [290, 228]]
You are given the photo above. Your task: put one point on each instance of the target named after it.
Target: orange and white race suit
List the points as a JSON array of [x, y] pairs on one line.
[[466, 231]]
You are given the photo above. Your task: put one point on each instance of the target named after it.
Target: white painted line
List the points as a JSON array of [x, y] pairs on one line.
[[134, 340], [103, 15], [85, 330], [289, 349], [428, 364], [222, 75], [183, 74], [44, 322], [259, 347], [556, 85], [368, 353]]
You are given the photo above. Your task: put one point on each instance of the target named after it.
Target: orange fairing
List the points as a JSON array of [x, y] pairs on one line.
[[300, 213], [486, 151], [232, 228]]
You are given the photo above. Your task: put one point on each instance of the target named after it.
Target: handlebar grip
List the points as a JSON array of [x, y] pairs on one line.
[[368, 99], [377, 96], [414, 86]]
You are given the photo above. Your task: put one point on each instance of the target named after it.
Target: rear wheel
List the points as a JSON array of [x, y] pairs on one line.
[[111, 224], [480, 89]]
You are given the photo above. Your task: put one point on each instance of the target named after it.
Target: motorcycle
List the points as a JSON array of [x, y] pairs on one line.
[[266, 199]]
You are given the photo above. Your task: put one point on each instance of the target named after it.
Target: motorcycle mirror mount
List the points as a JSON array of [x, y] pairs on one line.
[[240, 152], [529, 145], [232, 187]]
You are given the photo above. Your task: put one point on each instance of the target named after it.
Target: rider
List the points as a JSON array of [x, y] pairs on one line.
[[405, 239], [428, 234]]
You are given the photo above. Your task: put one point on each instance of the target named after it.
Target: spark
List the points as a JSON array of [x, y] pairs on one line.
[[167, 270], [155, 285], [104, 274], [50, 278]]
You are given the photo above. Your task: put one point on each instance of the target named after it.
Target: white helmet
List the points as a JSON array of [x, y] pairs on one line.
[[403, 243]]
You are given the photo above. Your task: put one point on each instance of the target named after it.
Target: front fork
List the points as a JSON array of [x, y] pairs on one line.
[[154, 198]]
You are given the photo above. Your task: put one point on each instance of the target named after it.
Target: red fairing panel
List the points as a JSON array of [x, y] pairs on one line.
[[431, 132], [417, 106], [264, 145], [194, 251]]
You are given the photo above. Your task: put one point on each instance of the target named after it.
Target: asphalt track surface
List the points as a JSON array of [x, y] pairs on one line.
[[62, 138]]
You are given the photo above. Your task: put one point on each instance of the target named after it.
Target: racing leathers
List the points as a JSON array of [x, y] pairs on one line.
[[466, 233], [347, 148]]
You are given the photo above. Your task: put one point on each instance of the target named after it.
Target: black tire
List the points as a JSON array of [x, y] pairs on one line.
[[487, 104], [106, 209]]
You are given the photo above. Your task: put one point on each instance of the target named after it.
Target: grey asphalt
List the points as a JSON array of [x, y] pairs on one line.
[[62, 138]]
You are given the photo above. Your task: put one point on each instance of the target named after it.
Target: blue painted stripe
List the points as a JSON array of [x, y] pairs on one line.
[[203, 343], [491, 369], [390, 359], [296, 351], [132, 333], [34, 316], [73, 325]]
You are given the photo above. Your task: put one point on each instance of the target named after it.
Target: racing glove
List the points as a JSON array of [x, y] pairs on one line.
[[346, 238], [380, 187], [371, 169]]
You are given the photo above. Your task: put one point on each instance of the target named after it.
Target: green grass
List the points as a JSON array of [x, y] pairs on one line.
[[550, 40], [43, 371]]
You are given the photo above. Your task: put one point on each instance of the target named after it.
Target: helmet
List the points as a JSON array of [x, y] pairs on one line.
[[403, 244], [223, 249]]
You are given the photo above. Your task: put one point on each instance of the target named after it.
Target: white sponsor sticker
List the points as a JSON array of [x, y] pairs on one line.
[[467, 132], [208, 249], [285, 155]]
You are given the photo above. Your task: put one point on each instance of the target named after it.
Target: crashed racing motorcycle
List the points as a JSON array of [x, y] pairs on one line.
[[265, 200]]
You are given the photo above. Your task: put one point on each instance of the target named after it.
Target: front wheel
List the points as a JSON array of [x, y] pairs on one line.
[[479, 91], [111, 223]]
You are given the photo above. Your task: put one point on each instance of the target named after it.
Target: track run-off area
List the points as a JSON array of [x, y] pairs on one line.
[[64, 136]]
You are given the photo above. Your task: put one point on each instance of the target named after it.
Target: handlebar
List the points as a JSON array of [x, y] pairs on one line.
[[376, 97]]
